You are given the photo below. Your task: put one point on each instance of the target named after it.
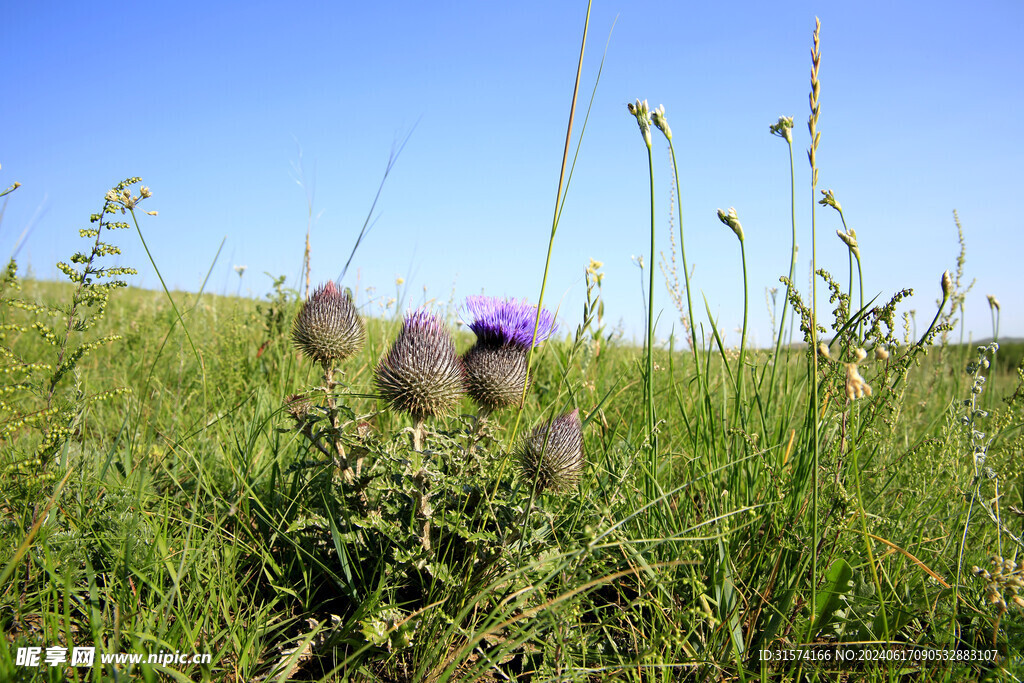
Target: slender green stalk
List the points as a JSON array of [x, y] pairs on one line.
[[649, 386], [644, 120], [743, 335], [554, 230], [854, 453], [785, 128], [812, 125], [659, 120]]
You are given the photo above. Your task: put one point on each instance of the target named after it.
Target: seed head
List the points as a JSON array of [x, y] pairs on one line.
[[421, 374], [552, 456], [327, 329], [993, 302], [881, 353]]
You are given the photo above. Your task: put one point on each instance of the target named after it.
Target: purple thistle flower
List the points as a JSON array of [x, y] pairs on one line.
[[500, 322], [421, 374], [496, 366]]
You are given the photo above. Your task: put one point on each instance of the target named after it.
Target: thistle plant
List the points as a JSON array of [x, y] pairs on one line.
[[496, 374], [421, 374], [326, 330]]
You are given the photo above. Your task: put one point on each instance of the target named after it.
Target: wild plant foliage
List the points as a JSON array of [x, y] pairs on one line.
[[44, 397]]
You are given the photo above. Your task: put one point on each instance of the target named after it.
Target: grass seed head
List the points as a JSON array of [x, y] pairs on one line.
[[552, 456], [421, 374], [328, 329]]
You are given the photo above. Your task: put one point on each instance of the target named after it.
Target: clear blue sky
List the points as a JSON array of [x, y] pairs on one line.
[[214, 105]]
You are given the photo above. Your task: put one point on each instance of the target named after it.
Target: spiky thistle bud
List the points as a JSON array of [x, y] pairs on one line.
[[327, 329], [496, 374], [421, 374], [552, 456], [732, 221]]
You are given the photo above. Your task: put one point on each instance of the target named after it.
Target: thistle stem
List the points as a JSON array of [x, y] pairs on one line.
[[341, 459], [417, 435]]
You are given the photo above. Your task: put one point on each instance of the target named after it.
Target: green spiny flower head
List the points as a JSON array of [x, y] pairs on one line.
[[496, 376], [552, 456], [421, 374], [496, 373], [327, 329]]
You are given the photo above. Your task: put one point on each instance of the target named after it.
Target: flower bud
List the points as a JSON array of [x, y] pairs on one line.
[[732, 221]]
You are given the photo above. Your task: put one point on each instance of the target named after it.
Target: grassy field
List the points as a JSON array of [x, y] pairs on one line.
[[189, 516], [178, 477]]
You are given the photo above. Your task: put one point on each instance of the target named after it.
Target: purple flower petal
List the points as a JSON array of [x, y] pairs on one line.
[[507, 321]]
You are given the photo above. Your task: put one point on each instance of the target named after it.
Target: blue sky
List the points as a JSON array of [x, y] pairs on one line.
[[216, 106]]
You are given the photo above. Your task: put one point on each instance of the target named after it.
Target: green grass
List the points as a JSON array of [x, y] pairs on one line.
[[185, 524], [157, 496]]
